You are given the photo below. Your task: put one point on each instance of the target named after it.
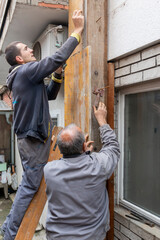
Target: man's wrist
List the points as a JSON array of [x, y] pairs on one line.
[[102, 122], [77, 36], [57, 77]]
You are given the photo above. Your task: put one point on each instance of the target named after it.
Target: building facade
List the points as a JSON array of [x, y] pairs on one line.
[[134, 48]]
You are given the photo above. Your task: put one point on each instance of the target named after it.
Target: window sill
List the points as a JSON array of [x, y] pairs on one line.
[[140, 229]]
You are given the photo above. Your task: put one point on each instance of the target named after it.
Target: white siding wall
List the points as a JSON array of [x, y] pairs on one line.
[[133, 24]]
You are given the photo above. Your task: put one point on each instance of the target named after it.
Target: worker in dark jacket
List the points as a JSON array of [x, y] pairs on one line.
[[78, 204], [32, 123]]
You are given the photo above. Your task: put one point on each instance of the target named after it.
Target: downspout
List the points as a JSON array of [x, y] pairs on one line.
[[12, 138]]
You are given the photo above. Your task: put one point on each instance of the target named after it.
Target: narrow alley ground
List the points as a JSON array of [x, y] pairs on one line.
[[5, 206]]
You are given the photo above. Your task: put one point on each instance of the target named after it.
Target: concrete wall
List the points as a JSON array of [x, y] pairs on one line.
[[133, 24]]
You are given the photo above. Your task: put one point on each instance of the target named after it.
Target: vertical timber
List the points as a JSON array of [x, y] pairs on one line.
[[110, 120], [94, 37], [77, 90], [74, 4]]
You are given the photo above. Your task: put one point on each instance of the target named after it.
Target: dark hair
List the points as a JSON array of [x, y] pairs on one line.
[[11, 52], [74, 145]]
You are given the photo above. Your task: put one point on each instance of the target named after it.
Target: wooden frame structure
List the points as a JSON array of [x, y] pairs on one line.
[[100, 74], [87, 69]]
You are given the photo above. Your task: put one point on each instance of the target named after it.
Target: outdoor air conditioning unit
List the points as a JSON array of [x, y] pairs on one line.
[[50, 40]]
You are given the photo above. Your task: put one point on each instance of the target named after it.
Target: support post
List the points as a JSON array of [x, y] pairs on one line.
[[95, 36], [110, 120]]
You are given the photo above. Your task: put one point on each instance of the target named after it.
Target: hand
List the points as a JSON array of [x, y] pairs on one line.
[[78, 21], [101, 113], [59, 70], [88, 144]]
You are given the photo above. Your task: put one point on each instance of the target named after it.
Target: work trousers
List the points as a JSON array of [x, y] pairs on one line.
[[34, 155]]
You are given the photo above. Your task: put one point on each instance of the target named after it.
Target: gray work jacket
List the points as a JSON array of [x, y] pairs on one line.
[[78, 205]]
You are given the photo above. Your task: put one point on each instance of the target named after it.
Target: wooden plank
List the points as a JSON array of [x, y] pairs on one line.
[[34, 211], [78, 91], [110, 120], [96, 37], [73, 5]]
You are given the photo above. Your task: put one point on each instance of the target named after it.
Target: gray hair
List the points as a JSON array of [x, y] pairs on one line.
[[74, 145]]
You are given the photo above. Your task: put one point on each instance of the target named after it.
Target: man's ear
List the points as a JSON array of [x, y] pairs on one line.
[[19, 60]]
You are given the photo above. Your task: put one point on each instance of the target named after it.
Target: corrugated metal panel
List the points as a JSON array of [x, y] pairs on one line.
[[4, 106]]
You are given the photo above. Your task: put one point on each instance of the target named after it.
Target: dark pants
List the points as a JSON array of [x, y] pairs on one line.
[[34, 155]]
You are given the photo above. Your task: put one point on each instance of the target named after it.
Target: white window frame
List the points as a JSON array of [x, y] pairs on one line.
[[145, 87]]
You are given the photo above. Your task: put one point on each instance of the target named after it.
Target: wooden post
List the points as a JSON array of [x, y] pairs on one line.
[[110, 120], [95, 36], [73, 5]]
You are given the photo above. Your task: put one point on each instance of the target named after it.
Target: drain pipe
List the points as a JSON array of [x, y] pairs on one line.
[[12, 137]]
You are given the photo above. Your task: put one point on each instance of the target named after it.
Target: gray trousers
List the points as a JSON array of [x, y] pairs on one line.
[[34, 155]]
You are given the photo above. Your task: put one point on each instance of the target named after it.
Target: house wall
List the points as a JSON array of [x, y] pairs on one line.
[[141, 67], [133, 25]]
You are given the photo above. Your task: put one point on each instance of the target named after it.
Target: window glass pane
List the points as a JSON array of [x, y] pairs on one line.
[[142, 150]]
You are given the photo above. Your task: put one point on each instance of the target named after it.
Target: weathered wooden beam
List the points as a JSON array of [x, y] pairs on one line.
[[95, 36], [34, 211], [73, 5], [78, 91], [110, 120]]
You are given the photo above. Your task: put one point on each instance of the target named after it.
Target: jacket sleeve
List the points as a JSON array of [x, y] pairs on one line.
[[109, 154], [37, 71], [53, 89]]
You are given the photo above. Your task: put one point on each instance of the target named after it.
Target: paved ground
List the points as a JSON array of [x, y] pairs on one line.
[[5, 205]]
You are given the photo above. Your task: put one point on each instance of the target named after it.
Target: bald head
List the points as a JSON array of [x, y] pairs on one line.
[[70, 140]]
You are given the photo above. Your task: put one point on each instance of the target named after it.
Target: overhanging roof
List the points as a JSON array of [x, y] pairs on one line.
[[29, 21], [27, 24]]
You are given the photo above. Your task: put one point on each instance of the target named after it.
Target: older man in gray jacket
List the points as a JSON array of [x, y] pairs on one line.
[[78, 205]]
